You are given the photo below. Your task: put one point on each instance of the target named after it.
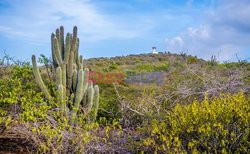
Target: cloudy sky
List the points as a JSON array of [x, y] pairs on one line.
[[120, 27]]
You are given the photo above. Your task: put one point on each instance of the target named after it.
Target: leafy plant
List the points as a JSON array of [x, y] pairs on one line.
[[220, 125]]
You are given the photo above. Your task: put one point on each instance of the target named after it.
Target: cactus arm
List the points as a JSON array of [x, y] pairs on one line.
[[61, 78], [85, 82], [78, 94], [58, 76], [58, 37], [64, 74], [70, 71], [85, 87], [74, 40], [81, 60], [76, 53], [74, 80], [89, 102], [67, 48], [61, 98], [74, 44], [95, 107], [71, 60], [57, 51], [80, 66], [61, 40], [53, 51], [38, 78]]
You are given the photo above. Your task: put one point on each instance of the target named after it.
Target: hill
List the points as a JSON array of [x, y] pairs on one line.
[[186, 78]]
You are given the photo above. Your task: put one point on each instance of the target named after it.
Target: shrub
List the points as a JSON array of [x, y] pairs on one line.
[[220, 125], [192, 60], [114, 66], [164, 66], [15, 86], [20, 90]]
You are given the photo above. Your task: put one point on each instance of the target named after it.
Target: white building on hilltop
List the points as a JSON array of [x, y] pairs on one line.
[[154, 50]]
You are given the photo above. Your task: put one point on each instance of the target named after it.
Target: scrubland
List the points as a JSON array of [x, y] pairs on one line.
[[201, 107]]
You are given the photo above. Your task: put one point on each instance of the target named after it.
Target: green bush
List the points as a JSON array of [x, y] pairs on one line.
[[192, 60], [220, 125], [20, 90], [15, 85], [164, 66]]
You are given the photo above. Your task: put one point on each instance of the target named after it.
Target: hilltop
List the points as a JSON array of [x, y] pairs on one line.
[[186, 78]]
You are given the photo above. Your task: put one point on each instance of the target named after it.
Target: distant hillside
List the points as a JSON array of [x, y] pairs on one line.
[[186, 78]]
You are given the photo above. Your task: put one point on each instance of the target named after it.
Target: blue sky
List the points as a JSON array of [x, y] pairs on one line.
[[110, 28]]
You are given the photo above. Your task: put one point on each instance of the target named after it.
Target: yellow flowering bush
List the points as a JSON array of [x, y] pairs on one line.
[[219, 125]]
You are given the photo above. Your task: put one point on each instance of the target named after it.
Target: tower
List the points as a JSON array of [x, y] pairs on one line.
[[154, 50]]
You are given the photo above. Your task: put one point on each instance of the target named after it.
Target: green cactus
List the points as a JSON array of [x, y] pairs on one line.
[[58, 76], [90, 95], [38, 78], [71, 80], [95, 103]]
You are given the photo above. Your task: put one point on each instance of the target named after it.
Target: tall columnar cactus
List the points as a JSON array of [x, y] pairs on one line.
[[71, 80]]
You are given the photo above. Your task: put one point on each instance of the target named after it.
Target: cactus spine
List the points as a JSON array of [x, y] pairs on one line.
[[71, 80]]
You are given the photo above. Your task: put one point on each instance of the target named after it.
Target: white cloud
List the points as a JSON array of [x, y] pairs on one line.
[[225, 30], [34, 20], [224, 33]]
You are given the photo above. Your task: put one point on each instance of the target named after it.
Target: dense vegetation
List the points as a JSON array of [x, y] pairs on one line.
[[202, 106]]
